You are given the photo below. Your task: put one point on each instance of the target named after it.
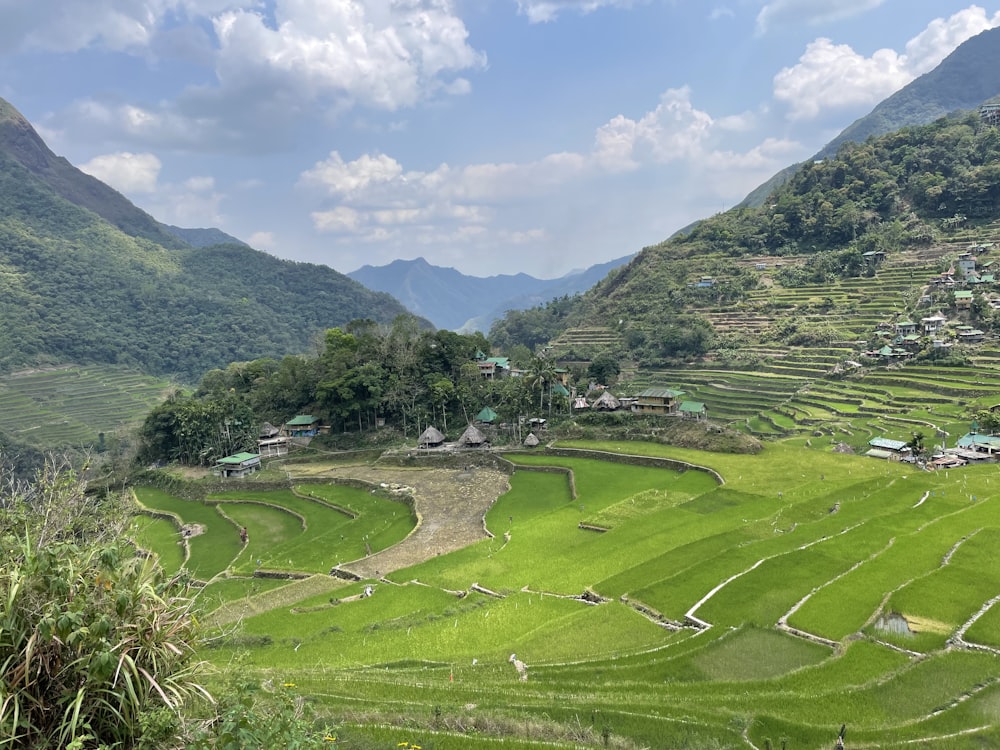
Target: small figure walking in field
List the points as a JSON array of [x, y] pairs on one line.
[[840, 737], [243, 535]]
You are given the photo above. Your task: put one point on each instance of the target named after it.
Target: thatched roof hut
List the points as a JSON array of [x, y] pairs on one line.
[[607, 402], [531, 441], [472, 437], [430, 438]]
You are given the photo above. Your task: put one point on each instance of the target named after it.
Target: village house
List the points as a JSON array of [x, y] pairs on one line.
[[963, 300], [693, 410], [906, 327], [933, 322], [966, 265], [988, 445], [238, 465], [895, 450], [657, 401], [303, 425]]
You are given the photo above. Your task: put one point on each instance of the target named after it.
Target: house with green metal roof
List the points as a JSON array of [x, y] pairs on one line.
[[657, 400], [238, 465], [880, 447], [974, 441], [963, 299], [303, 425], [486, 415], [693, 410]]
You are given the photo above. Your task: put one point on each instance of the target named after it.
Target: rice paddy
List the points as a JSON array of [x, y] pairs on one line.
[[650, 607]]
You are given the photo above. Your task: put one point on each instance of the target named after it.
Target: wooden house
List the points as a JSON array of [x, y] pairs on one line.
[[303, 425], [963, 299], [657, 401], [531, 441]]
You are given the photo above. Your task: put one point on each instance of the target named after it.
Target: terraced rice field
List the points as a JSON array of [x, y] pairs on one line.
[[652, 607], [72, 406]]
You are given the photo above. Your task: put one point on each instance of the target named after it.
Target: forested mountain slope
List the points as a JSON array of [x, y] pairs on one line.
[[85, 276], [908, 190], [969, 76]]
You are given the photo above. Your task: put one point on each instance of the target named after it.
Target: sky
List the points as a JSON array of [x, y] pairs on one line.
[[490, 136]]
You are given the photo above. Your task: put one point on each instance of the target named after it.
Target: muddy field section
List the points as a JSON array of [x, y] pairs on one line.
[[450, 506]]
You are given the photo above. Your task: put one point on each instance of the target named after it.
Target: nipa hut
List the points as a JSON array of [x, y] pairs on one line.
[[473, 438], [607, 402], [430, 438], [531, 441]]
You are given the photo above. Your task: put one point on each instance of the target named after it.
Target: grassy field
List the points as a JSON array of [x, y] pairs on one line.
[[697, 615]]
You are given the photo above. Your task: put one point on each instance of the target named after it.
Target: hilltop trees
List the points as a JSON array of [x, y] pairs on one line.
[[363, 375]]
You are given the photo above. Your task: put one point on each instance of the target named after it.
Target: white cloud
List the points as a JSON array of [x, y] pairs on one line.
[[809, 12], [126, 172], [374, 197], [942, 36], [540, 11], [72, 25], [382, 55], [262, 240], [834, 76]]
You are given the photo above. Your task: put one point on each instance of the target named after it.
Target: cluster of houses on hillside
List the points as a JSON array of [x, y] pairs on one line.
[[972, 448], [905, 337], [276, 441]]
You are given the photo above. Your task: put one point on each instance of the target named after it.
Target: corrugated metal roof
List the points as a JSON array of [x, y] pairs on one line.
[[892, 445], [660, 393]]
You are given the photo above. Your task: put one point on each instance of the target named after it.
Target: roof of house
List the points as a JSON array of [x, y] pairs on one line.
[[472, 436], [559, 389], [692, 407], [486, 415], [607, 401], [430, 436], [892, 445], [971, 439], [238, 458], [878, 453], [660, 393], [499, 361], [531, 441], [963, 294], [302, 420]]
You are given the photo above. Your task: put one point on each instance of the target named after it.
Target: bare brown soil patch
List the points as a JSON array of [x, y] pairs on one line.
[[450, 506]]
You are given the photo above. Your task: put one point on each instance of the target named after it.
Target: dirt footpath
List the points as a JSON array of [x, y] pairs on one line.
[[450, 506]]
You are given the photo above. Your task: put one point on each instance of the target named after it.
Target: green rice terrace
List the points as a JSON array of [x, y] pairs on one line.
[[72, 406], [596, 595]]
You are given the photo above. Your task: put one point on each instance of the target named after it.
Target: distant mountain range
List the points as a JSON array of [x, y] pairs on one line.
[[452, 300], [965, 79], [87, 277]]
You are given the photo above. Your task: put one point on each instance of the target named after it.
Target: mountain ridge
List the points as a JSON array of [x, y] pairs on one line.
[[87, 277], [455, 301]]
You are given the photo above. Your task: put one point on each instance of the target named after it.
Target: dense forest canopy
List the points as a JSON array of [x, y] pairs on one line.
[[366, 374]]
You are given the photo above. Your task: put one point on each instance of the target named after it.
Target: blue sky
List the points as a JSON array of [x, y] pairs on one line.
[[492, 136]]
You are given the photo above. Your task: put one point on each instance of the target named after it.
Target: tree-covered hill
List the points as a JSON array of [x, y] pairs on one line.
[[969, 76], [86, 277], [903, 191]]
